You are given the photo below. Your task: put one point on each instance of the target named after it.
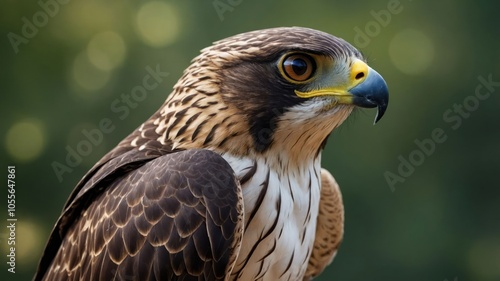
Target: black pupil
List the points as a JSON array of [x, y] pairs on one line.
[[299, 66]]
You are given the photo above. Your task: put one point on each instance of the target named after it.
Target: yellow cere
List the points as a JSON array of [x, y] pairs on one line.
[[359, 72]]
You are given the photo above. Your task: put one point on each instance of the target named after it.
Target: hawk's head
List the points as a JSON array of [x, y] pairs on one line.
[[284, 88]]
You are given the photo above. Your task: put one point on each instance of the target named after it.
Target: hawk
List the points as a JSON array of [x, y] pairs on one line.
[[224, 181]]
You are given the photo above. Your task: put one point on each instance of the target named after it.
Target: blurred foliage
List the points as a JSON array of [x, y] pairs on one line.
[[442, 222]]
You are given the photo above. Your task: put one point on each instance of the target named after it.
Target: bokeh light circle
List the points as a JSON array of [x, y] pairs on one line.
[[411, 51], [25, 140], [157, 23], [106, 50]]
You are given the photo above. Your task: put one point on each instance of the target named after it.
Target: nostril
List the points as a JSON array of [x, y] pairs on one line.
[[359, 75]]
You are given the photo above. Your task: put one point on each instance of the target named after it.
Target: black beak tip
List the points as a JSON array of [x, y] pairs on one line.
[[380, 112], [382, 101]]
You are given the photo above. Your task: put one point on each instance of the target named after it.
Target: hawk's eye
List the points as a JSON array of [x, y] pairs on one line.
[[299, 67]]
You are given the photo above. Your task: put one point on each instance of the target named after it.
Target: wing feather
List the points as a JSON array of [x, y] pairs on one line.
[[176, 217]]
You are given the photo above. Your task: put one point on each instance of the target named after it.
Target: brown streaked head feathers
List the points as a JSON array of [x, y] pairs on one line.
[[237, 84]]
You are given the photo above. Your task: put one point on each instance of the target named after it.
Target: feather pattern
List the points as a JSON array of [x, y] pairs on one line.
[[223, 182]]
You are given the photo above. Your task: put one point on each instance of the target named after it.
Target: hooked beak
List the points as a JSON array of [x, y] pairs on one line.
[[372, 92], [364, 88]]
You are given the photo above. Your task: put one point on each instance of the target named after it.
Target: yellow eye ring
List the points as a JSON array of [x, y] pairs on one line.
[[298, 67]]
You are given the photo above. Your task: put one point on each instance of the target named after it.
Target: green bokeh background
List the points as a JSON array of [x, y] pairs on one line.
[[441, 223]]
